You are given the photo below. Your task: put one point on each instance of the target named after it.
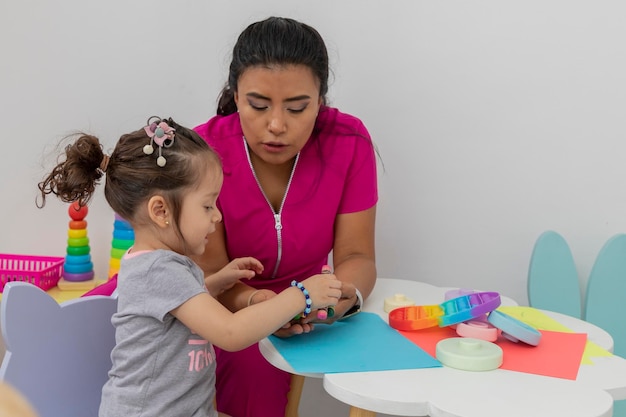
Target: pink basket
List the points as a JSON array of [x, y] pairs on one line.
[[42, 271]]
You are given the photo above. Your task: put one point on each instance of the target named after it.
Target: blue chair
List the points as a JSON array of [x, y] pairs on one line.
[[605, 302], [57, 355], [552, 277]]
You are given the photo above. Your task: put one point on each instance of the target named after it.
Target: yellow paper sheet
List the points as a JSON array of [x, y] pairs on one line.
[[542, 321]]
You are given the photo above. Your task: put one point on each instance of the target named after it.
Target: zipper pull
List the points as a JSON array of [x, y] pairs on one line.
[[277, 224]]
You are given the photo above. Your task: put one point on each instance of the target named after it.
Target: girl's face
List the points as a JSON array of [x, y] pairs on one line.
[[199, 212], [277, 107]]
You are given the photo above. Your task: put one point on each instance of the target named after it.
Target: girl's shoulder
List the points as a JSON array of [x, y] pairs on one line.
[[159, 259]]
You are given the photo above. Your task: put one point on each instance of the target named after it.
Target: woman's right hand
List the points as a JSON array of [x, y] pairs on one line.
[[294, 327]]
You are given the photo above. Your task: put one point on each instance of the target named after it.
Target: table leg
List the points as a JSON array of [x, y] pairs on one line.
[[359, 412], [293, 397]]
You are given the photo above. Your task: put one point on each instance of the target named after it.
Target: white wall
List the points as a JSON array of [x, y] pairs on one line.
[[495, 120]]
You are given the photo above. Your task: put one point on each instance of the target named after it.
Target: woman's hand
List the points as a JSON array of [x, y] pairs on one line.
[[306, 324], [228, 276], [294, 327]]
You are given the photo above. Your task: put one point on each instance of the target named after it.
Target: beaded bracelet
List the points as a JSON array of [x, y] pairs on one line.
[[307, 297]]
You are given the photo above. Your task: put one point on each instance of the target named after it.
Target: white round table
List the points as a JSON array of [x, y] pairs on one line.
[[448, 392]]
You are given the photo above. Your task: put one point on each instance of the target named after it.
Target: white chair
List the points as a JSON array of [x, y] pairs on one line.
[[57, 355], [552, 277]]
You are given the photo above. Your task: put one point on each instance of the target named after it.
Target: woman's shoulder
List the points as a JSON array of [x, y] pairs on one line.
[[220, 128], [332, 121]]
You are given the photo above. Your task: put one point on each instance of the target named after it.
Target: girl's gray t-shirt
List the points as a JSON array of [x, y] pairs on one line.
[[160, 367]]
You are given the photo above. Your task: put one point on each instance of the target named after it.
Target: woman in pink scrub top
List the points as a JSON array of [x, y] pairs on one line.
[[299, 182]]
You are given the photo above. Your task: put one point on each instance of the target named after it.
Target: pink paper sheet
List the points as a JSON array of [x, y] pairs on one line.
[[558, 354]]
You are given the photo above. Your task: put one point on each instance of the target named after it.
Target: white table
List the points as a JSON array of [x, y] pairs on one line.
[[447, 392]]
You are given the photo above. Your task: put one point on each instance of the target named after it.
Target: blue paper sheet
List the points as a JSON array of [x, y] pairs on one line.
[[361, 343]]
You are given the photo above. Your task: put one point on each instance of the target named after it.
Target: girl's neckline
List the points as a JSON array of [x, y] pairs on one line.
[[130, 254]]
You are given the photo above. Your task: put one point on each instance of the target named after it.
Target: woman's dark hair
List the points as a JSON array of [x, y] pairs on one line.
[[132, 176], [275, 41]]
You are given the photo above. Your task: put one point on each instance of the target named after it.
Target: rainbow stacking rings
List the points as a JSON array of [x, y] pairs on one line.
[[77, 266]]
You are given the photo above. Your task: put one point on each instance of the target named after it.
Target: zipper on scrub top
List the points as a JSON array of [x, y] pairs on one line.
[[278, 225]]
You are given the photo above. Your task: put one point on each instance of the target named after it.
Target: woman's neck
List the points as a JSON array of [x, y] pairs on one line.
[[272, 178]]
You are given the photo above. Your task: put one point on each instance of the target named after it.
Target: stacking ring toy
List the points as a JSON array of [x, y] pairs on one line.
[[513, 329], [117, 253], [76, 233], [122, 243], [78, 268], [79, 241], [77, 259], [78, 224], [395, 301], [115, 263], [469, 354], [112, 271], [123, 234], [478, 330], [77, 250], [85, 276], [76, 211], [121, 225]]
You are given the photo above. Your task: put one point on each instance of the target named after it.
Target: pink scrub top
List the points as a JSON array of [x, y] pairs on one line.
[[335, 173]]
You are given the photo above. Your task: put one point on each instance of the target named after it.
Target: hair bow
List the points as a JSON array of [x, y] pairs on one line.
[[160, 133]]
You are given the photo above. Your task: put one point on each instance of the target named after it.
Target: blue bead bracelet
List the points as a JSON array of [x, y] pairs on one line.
[[307, 297]]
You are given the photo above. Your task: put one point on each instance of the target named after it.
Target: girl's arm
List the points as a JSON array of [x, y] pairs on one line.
[[229, 276], [205, 315], [214, 259]]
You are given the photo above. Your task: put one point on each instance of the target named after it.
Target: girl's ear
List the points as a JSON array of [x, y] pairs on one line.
[[158, 211]]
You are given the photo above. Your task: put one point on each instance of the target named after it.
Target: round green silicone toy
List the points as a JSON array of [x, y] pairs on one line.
[[469, 354]]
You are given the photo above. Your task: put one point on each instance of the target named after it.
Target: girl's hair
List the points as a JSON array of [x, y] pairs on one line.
[[132, 175], [275, 41]]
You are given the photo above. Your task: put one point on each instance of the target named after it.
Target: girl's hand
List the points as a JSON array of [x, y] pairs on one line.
[[228, 276], [324, 290], [346, 302]]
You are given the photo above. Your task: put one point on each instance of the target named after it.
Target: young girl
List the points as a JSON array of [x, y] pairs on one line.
[[165, 180]]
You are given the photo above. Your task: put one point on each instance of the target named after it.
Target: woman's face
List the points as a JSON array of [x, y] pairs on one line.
[[277, 108]]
